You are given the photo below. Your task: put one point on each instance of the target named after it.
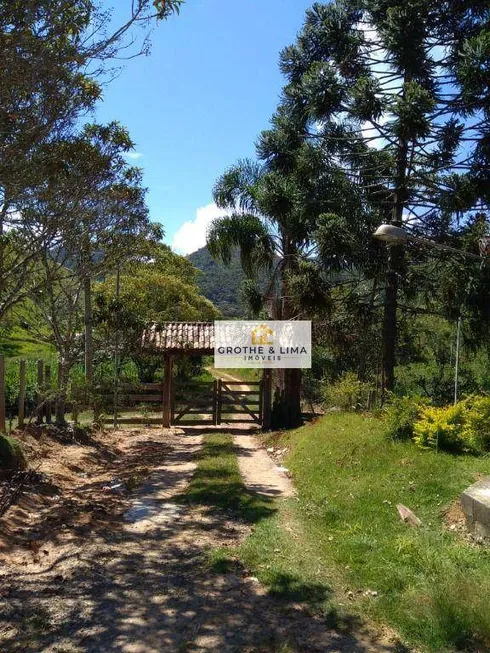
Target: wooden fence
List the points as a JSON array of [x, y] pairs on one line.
[[137, 396], [217, 401], [45, 392]]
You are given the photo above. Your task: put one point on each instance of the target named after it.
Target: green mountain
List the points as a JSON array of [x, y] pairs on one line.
[[220, 283]]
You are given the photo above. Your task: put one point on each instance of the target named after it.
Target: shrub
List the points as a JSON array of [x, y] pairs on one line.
[[348, 393], [11, 455], [443, 428], [476, 430], [401, 414], [463, 428], [98, 398], [430, 379]]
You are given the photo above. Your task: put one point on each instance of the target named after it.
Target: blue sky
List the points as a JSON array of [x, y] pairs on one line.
[[199, 101]]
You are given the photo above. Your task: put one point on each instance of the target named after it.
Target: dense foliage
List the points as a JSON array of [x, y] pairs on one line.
[[221, 284], [161, 289], [460, 428], [383, 118], [73, 211]]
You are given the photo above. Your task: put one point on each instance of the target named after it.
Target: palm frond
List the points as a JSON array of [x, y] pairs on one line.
[[253, 297], [236, 189], [244, 232]]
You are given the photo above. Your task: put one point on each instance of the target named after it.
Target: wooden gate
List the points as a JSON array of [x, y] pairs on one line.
[[240, 402], [217, 402], [194, 403]]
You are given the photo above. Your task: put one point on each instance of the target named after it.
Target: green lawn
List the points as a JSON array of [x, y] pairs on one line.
[[340, 546], [343, 534]]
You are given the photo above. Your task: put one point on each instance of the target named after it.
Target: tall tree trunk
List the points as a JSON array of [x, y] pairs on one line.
[[63, 376], [286, 410], [392, 274], [3, 213], [292, 397], [88, 321], [390, 323]]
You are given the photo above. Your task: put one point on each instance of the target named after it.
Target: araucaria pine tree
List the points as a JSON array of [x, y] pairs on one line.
[[400, 90]]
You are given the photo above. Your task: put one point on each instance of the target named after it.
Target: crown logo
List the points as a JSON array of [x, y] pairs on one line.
[[262, 335]]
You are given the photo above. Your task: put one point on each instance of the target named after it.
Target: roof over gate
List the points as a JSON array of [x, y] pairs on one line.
[[181, 337]]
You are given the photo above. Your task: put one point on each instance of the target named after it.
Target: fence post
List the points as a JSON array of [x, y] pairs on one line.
[[215, 402], [261, 400], [22, 394], [2, 394], [40, 381], [267, 400], [49, 403], [219, 408], [167, 390]]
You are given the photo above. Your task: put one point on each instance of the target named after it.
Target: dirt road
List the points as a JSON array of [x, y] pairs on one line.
[[141, 582]]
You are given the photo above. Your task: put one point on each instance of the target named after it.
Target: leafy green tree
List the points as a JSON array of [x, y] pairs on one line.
[[111, 213], [55, 54], [160, 289], [53, 314], [98, 206], [93, 205]]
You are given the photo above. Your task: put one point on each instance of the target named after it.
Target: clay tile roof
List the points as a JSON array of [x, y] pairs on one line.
[[181, 336]]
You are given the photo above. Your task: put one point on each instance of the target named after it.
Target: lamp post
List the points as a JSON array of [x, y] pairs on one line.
[[393, 235], [116, 347]]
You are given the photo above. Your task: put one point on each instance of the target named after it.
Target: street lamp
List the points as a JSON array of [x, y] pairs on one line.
[[393, 235]]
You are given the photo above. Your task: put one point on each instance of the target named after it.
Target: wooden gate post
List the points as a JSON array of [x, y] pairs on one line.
[[167, 390], [267, 399], [216, 394], [2, 394], [219, 405], [22, 394]]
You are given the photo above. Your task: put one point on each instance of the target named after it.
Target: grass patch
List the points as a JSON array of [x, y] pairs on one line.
[[217, 482], [344, 533], [221, 561], [20, 343]]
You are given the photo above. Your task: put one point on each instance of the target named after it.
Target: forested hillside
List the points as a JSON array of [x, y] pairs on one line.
[[220, 283]]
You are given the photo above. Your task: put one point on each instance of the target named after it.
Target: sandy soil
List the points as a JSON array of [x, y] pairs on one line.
[[259, 472], [89, 567]]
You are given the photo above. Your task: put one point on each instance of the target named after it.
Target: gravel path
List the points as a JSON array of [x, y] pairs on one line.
[[144, 586]]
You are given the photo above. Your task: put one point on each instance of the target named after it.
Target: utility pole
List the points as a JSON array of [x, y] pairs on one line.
[[456, 363], [116, 348]]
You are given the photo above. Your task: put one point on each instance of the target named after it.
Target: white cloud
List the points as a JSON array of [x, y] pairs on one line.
[[192, 234], [134, 156]]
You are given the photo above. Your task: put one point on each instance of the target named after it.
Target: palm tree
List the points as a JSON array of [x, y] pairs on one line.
[[272, 225]]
